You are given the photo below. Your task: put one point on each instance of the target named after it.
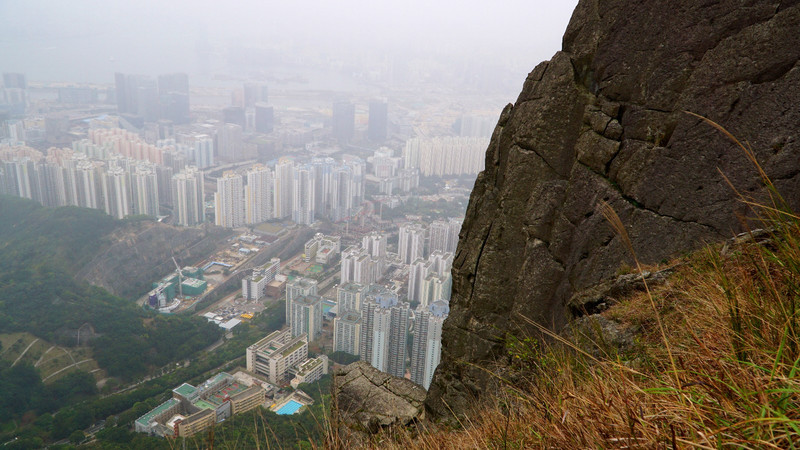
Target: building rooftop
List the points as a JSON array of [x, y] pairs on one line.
[[185, 390], [147, 418], [308, 366], [294, 347]]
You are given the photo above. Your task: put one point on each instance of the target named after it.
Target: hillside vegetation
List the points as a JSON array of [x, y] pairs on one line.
[[41, 248]]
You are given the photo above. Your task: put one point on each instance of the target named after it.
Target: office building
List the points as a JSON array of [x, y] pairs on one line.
[[274, 355], [343, 121], [264, 118], [347, 333], [173, 95], [426, 348], [259, 195], [378, 121], [229, 201], [253, 94], [234, 115], [306, 316], [322, 172]]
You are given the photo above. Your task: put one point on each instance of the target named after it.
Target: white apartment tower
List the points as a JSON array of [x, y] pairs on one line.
[[350, 297], [145, 190], [116, 192], [187, 197], [347, 333], [303, 209], [258, 195], [229, 201], [306, 317], [411, 242], [282, 193], [384, 326], [296, 288], [426, 349]]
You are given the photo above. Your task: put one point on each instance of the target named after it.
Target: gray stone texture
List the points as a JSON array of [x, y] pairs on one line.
[[604, 120]]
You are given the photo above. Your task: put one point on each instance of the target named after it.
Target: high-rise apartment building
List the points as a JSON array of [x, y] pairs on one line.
[[384, 327], [303, 208], [203, 151], [442, 156], [375, 244], [296, 288], [350, 296], [411, 242], [284, 186], [426, 348], [306, 316], [229, 201], [347, 333], [258, 195], [144, 189], [116, 192], [187, 197], [229, 142], [342, 193], [358, 266]]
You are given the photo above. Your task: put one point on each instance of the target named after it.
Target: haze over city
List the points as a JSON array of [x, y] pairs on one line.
[[207, 207]]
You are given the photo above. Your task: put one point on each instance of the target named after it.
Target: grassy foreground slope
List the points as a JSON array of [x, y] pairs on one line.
[[708, 359]]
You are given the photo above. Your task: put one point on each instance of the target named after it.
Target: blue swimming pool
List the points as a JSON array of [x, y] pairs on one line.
[[289, 408]]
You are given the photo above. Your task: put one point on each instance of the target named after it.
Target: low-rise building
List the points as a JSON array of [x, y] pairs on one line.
[[310, 371], [274, 355]]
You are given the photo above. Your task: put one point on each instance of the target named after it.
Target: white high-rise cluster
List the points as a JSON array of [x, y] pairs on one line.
[[443, 156]]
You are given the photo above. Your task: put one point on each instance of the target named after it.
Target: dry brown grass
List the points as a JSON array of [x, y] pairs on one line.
[[716, 362]]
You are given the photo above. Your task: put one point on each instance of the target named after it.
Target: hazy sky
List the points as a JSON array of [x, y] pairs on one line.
[[83, 39]]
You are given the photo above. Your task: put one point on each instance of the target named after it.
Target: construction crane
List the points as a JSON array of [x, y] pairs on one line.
[[180, 278]]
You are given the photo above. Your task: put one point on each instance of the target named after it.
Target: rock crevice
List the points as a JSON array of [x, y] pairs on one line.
[[604, 120]]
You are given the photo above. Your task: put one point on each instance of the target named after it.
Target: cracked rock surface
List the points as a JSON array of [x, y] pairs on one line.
[[370, 401], [604, 120]]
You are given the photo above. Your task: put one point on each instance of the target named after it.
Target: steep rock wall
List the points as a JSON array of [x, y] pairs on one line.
[[603, 120]]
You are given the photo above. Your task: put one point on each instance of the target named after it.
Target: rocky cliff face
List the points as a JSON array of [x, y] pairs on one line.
[[604, 120]]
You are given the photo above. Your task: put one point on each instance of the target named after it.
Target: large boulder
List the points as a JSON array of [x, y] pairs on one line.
[[604, 121], [369, 401]]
